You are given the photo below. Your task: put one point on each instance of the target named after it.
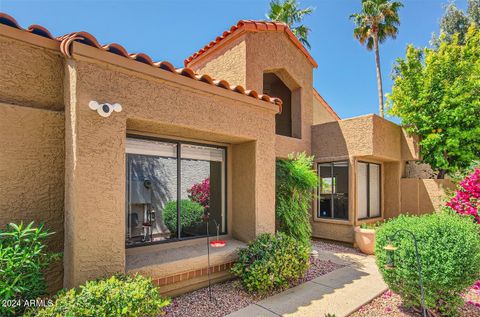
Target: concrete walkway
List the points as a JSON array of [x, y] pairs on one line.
[[340, 292]]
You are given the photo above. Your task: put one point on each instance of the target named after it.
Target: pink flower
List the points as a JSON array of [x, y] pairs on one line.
[[467, 197], [200, 193]]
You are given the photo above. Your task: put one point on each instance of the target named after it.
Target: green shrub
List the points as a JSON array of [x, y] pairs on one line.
[[449, 248], [23, 257], [191, 213], [295, 183], [119, 295], [271, 261]]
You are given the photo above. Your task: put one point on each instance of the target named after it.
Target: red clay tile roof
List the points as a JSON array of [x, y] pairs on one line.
[[253, 26], [88, 39], [325, 104]]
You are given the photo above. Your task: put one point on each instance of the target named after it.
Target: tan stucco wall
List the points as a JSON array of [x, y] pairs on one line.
[[410, 146], [320, 113], [366, 136], [95, 152], [386, 139], [227, 62], [420, 196], [30, 75], [351, 137], [392, 173], [31, 170], [245, 59], [333, 231], [274, 52]]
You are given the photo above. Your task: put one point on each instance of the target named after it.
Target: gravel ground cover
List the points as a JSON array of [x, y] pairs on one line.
[[334, 246], [390, 304], [229, 296]]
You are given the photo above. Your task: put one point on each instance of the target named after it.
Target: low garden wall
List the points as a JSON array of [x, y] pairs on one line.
[[421, 196]]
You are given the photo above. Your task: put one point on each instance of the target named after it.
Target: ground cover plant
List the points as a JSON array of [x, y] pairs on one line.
[[295, 183], [271, 261], [119, 295], [449, 247], [23, 257]]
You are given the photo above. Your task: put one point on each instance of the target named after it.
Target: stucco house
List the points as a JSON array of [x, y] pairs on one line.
[[108, 147]]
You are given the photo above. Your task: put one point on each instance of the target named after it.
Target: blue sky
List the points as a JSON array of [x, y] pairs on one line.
[[172, 30]]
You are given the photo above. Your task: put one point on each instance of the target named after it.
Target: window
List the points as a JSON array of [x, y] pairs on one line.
[[287, 123], [333, 190], [170, 185], [369, 190]]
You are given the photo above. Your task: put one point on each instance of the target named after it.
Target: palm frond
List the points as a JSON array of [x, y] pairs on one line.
[[378, 18], [301, 32], [288, 12]]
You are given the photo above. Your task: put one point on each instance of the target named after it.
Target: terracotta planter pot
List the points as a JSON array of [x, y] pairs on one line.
[[365, 240]]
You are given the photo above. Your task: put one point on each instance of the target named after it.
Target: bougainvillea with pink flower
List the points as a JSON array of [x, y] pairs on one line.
[[467, 197], [200, 193]]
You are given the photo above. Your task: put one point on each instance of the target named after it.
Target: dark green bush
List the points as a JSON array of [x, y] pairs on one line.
[[23, 257], [119, 295], [449, 247], [271, 261], [295, 184], [192, 213]]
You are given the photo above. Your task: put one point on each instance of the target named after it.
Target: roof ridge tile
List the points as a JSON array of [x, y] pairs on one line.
[[253, 26]]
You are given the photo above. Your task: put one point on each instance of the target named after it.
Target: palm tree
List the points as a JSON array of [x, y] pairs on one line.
[[287, 11], [377, 21]]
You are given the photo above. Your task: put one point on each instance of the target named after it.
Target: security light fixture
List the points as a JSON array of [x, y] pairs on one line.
[[104, 109]]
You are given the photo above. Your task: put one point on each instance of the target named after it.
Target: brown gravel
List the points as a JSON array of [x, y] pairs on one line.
[[334, 246], [390, 304], [229, 296]]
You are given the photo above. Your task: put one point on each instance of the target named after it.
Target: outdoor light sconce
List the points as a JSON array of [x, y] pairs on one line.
[[390, 250], [104, 109]]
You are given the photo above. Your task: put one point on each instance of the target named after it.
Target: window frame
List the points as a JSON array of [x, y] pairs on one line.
[[317, 212], [380, 190], [178, 144]]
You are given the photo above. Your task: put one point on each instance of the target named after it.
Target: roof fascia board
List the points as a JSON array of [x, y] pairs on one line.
[[33, 39]]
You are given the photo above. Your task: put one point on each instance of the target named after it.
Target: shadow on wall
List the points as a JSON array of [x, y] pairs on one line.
[[328, 140], [422, 196]]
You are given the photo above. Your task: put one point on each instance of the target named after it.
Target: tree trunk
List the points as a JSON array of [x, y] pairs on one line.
[[379, 76], [441, 174]]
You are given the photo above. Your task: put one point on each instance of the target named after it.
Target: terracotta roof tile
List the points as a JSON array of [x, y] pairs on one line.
[[88, 39], [252, 26]]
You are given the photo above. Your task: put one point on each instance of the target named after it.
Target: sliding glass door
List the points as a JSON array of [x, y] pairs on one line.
[[368, 190], [170, 186]]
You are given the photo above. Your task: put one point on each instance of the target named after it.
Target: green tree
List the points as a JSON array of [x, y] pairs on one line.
[[455, 21], [377, 21], [436, 93], [288, 12], [473, 11]]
